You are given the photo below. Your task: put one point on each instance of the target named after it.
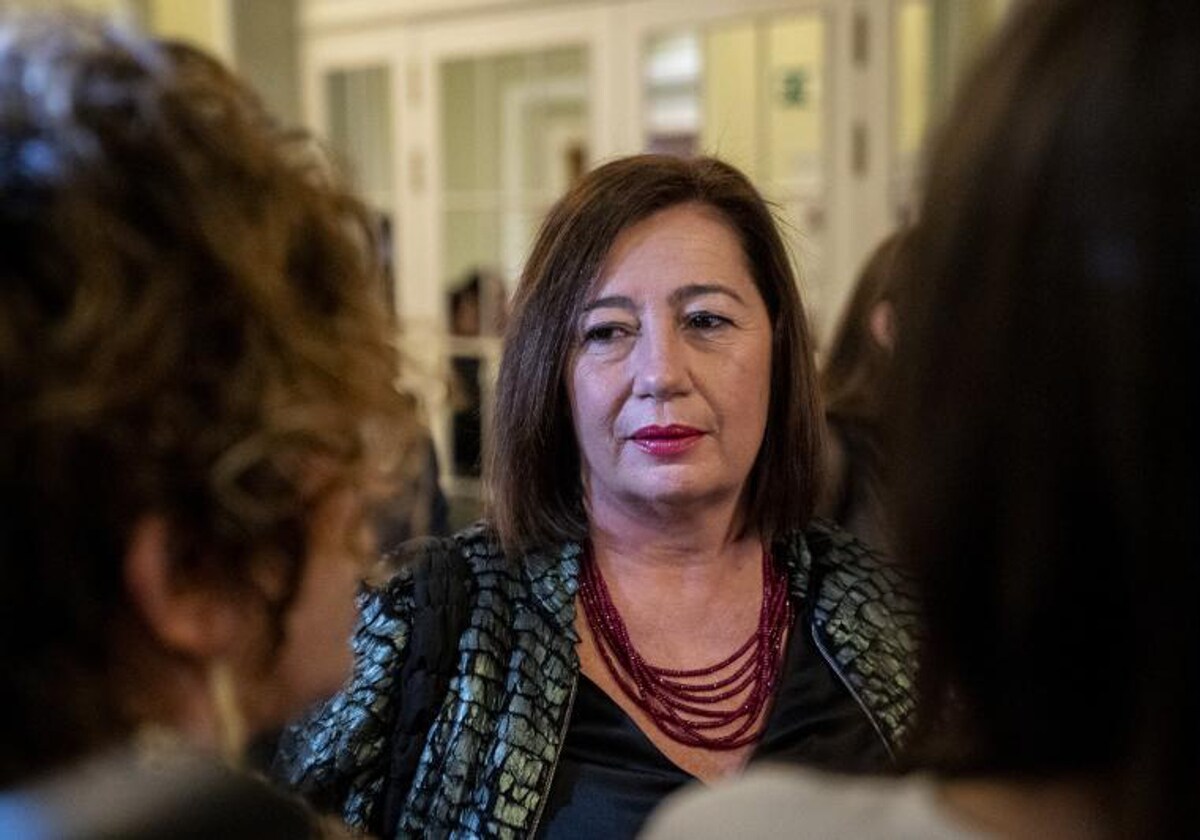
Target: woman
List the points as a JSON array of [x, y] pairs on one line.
[[853, 380], [648, 604], [197, 391], [1047, 447]]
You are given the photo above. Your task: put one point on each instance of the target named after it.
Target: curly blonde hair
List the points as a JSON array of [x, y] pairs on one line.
[[190, 327]]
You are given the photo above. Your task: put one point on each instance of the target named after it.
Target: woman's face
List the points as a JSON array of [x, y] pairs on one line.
[[670, 378]]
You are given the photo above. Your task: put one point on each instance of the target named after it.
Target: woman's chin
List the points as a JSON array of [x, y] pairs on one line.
[[681, 497]]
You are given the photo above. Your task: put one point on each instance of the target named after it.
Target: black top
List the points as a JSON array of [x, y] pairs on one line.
[[610, 776]]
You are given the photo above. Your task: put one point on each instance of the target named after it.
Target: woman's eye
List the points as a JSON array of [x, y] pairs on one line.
[[706, 321], [604, 333]]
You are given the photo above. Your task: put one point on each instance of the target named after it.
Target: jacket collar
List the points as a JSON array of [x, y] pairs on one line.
[[795, 553], [553, 576], [553, 579]]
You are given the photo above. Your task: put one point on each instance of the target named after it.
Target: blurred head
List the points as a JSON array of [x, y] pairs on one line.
[[1047, 407], [855, 370], [197, 391], [536, 470]]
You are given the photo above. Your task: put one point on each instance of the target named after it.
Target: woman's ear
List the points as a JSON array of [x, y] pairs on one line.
[[882, 323], [183, 616]]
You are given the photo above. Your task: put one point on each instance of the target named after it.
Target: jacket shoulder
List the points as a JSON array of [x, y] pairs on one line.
[[423, 555], [334, 754], [864, 605], [339, 755]]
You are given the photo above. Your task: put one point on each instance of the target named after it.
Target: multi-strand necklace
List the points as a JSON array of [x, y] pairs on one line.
[[688, 705]]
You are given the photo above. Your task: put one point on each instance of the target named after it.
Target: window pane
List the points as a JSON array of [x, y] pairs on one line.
[[472, 242], [515, 132], [360, 129], [460, 125], [672, 96]]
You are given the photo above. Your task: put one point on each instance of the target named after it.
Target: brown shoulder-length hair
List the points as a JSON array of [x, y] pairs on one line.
[[1046, 457], [534, 469]]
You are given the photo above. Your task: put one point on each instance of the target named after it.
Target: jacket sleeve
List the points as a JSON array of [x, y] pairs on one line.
[[865, 608], [337, 755]]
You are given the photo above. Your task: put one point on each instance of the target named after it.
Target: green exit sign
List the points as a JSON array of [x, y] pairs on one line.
[[794, 87]]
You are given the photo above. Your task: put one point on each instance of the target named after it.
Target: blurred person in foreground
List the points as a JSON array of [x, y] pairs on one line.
[[1047, 465], [197, 391], [853, 380], [649, 603]]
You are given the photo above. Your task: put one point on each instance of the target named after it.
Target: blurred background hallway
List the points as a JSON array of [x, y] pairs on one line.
[[461, 121]]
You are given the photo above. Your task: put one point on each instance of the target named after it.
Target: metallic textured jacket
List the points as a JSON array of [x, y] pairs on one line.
[[466, 673]]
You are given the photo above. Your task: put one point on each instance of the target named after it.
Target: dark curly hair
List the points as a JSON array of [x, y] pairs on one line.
[[190, 328]]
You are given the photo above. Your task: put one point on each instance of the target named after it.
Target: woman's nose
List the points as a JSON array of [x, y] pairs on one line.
[[660, 365]]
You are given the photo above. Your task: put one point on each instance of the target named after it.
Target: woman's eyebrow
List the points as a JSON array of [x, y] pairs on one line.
[[680, 295], [692, 290], [613, 302]]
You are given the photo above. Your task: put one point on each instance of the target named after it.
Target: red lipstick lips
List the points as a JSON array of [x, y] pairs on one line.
[[664, 441]]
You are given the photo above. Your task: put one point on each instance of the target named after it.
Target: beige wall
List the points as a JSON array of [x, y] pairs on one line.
[[997, 9], [202, 22], [266, 50], [106, 7], [913, 32], [205, 23], [258, 37], [730, 124], [103, 7]]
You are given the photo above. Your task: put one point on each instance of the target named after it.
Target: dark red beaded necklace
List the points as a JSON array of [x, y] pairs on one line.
[[682, 703]]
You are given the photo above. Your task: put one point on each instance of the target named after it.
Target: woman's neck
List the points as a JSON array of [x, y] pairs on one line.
[[691, 557], [668, 534], [197, 704], [676, 560], [682, 595]]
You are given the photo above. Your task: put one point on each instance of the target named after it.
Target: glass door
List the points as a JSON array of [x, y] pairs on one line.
[[358, 109], [514, 135]]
